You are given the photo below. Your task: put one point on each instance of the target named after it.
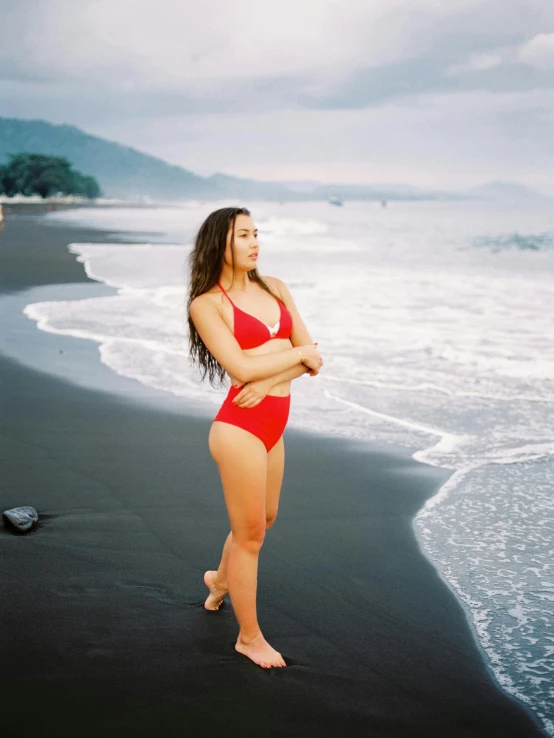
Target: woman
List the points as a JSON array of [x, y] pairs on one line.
[[250, 328]]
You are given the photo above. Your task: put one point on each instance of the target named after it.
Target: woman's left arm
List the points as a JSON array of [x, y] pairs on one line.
[[284, 376]]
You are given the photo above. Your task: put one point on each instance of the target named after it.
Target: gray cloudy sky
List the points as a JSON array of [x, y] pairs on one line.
[[445, 93]]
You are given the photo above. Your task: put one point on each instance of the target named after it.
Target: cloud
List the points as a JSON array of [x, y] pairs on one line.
[[171, 41], [436, 140], [248, 53], [539, 51], [536, 52], [246, 85], [482, 61]]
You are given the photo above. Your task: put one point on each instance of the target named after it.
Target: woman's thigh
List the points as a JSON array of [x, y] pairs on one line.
[[275, 470], [242, 462]]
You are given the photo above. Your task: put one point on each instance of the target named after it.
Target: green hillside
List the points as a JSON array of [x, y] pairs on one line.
[[121, 171]]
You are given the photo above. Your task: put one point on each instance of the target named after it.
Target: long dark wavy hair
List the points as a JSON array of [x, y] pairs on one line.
[[206, 263]]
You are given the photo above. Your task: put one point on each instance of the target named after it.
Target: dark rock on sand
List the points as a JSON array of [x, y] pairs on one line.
[[20, 519]]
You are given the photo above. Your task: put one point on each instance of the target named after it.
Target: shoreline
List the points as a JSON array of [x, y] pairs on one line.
[[399, 655]]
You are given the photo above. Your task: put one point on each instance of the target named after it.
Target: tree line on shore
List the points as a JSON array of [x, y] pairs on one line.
[[47, 176]]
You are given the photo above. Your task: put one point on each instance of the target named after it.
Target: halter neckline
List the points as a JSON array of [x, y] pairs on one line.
[[272, 331], [247, 330]]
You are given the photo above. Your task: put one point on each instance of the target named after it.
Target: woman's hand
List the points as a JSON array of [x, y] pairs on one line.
[[252, 393], [311, 358]]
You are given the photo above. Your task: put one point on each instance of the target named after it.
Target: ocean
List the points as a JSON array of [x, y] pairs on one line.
[[434, 320]]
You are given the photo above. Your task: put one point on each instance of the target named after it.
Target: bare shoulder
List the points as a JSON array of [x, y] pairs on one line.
[[203, 301], [197, 303], [278, 285], [300, 335]]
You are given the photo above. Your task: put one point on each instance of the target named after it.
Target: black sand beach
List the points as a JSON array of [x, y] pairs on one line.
[[103, 627]]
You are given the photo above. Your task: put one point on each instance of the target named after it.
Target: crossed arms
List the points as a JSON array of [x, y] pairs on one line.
[[257, 374]]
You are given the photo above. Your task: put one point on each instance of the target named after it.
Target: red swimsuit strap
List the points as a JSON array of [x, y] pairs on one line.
[[226, 295], [281, 304]]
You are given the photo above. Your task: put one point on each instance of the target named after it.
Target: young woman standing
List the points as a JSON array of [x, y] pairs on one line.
[[248, 327]]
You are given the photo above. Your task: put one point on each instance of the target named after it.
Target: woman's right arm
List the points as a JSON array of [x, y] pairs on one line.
[[224, 347]]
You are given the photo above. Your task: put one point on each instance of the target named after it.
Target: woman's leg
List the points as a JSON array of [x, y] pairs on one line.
[[274, 481], [242, 461], [216, 581]]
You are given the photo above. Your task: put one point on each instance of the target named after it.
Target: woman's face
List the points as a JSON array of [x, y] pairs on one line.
[[246, 244]]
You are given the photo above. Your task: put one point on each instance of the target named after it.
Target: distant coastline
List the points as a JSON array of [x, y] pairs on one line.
[[36, 205], [132, 176]]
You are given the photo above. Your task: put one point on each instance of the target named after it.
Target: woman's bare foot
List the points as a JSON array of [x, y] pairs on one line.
[[259, 650], [217, 592]]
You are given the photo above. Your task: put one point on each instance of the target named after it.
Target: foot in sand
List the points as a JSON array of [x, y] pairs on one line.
[[217, 591], [259, 650]]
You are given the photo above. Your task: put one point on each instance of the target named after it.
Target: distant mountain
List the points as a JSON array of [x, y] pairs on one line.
[[124, 172], [379, 192], [310, 190], [252, 189], [129, 174], [301, 185], [319, 191], [509, 191], [389, 190], [121, 171]]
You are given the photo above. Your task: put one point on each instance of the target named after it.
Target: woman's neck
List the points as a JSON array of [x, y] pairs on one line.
[[238, 281]]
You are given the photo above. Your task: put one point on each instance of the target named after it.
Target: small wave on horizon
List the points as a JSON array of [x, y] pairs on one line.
[[523, 242]]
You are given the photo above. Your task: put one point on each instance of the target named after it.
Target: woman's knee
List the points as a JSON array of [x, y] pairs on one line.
[[250, 538], [270, 518]]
